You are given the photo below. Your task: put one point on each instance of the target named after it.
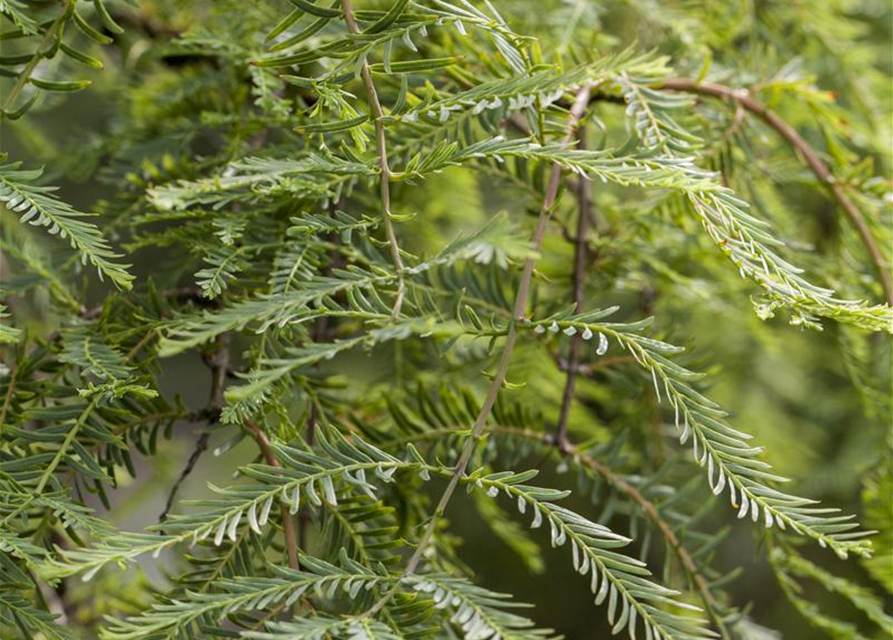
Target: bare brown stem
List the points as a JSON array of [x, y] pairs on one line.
[[385, 171], [581, 254], [288, 525], [805, 151]]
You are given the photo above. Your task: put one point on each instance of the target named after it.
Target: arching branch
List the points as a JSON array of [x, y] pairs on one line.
[[699, 582], [804, 150]]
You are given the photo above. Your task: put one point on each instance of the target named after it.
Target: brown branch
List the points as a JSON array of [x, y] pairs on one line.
[[288, 526], [819, 168], [201, 445], [568, 449], [698, 580], [572, 453], [518, 315], [385, 178], [581, 255]]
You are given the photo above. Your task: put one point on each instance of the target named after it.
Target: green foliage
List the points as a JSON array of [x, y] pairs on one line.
[[37, 205], [434, 256], [8, 334], [879, 515]]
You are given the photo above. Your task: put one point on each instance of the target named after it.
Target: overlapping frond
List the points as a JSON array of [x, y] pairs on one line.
[[732, 462], [619, 580], [478, 612], [39, 206], [322, 626], [244, 593], [744, 239], [310, 479], [331, 208], [18, 614]]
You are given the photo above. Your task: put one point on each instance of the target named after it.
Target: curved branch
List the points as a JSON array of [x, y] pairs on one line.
[[569, 450], [818, 166], [697, 579], [288, 527]]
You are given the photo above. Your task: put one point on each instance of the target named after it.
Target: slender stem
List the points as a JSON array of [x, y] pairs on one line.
[[146, 339], [201, 445], [223, 561], [288, 525], [650, 510], [520, 311], [385, 178], [584, 200], [818, 166], [571, 451], [219, 364], [60, 454]]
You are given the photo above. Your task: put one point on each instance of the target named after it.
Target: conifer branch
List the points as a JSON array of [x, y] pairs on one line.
[[288, 525], [581, 250], [805, 151], [232, 177], [731, 461], [66, 445], [694, 574], [384, 168], [520, 311], [568, 450]]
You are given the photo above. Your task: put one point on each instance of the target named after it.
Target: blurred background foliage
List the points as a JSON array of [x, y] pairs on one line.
[[818, 401]]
